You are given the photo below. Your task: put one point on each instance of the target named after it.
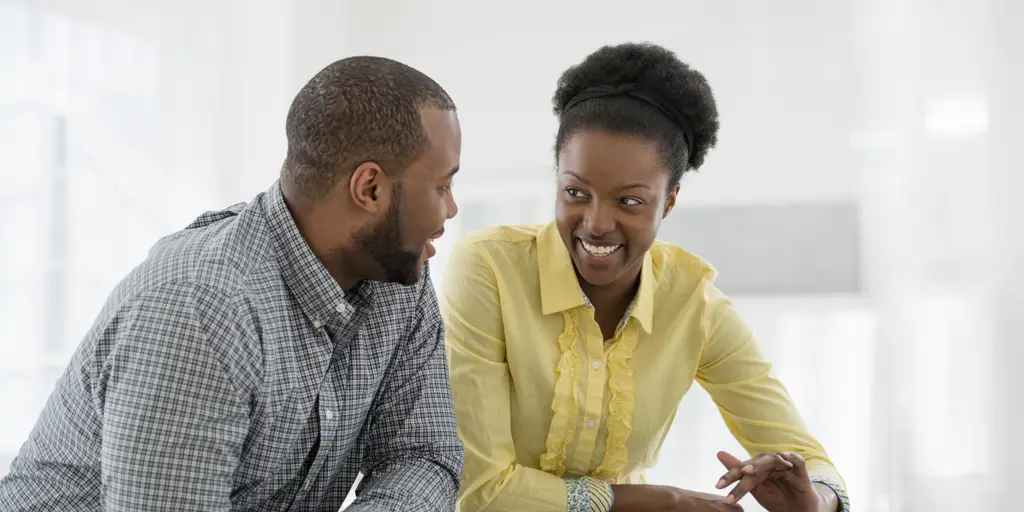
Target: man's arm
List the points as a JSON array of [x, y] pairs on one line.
[[414, 455], [173, 421]]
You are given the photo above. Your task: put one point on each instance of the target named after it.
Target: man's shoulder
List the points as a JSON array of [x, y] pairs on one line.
[[218, 263], [196, 285], [220, 250]]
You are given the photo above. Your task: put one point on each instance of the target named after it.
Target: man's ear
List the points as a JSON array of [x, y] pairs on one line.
[[670, 201], [370, 187]]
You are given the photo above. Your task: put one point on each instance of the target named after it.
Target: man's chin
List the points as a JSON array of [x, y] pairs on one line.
[[407, 275], [412, 278]]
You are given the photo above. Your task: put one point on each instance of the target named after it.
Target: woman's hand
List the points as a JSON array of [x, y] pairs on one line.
[[778, 481], [659, 498]]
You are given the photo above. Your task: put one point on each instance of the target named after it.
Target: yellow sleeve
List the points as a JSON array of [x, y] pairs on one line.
[[754, 404], [491, 478]]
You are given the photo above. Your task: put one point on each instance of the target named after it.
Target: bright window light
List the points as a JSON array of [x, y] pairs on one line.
[[965, 115]]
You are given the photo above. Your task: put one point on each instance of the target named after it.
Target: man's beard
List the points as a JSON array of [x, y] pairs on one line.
[[382, 244]]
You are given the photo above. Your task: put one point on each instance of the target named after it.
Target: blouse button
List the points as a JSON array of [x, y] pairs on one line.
[[596, 365]]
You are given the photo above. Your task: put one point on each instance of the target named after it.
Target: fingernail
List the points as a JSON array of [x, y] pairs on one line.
[[728, 500], [720, 484], [748, 468]]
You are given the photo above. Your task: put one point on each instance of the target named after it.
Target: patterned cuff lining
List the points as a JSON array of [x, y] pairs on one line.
[[840, 493], [588, 495]]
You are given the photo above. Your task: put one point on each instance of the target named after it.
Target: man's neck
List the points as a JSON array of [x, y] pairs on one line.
[[318, 238]]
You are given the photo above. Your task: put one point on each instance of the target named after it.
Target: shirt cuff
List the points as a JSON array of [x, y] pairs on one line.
[[588, 495], [836, 488]]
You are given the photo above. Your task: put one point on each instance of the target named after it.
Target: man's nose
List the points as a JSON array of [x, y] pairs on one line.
[[452, 209]]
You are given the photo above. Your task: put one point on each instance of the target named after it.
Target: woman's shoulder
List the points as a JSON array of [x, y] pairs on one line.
[[672, 256], [501, 235], [677, 269], [503, 245]]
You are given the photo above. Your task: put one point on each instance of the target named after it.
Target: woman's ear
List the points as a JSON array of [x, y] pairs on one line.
[[670, 201]]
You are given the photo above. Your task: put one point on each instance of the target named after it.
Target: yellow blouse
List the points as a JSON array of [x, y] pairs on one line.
[[541, 396]]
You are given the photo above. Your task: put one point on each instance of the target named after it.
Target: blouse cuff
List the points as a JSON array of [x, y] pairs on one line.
[[588, 495], [836, 488]]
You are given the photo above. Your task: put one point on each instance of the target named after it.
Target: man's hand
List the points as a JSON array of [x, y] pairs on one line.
[[659, 498], [778, 481]]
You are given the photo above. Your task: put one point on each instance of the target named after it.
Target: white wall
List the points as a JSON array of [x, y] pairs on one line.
[[777, 69]]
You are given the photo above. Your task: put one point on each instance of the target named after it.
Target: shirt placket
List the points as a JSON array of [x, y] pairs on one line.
[[329, 405], [593, 403]]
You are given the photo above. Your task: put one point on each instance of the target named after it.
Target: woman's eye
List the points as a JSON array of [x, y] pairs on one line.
[[574, 192], [630, 201]]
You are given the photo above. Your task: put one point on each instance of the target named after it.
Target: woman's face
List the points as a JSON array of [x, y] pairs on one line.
[[612, 194]]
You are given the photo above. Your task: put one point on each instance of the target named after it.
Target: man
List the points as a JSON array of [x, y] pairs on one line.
[[262, 357]]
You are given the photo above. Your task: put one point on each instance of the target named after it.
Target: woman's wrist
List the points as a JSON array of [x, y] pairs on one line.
[[631, 497], [828, 500]]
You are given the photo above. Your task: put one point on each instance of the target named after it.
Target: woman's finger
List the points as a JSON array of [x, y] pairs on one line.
[[747, 484], [734, 466], [756, 471], [797, 462], [764, 462]]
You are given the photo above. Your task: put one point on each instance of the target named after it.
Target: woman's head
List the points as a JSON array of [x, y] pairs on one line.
[[632, 119]]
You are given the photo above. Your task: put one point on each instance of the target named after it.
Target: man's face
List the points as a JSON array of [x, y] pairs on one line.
[[421, 202]]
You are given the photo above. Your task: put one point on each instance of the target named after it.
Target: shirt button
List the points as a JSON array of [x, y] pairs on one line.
[[591, 423], [341, 307], [317, 323], [328, 414], [596, 365]]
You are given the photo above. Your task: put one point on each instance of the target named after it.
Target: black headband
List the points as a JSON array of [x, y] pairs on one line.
[[636, 91]]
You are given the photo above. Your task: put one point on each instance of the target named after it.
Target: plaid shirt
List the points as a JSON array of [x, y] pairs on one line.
[[229, 371]]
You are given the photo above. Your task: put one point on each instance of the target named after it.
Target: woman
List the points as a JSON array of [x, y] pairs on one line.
[[572, 344]]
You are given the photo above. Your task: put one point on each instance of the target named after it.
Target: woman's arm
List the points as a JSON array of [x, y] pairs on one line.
[[491, 479], [754, 404]]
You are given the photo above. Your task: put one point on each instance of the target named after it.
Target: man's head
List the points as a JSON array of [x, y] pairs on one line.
[[373, 145]]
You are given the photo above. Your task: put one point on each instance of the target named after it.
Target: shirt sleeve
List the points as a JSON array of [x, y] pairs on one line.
[[492, 480], [173, 421], [414, 455], [754, 404], [587, 494]]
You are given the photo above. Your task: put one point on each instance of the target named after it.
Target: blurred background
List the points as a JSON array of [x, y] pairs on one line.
[[861, 207]]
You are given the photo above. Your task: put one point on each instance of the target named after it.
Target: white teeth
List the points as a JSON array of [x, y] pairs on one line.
[[599, 250]]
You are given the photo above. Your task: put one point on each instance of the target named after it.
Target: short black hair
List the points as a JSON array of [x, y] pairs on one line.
[[655, 69], [356, 110]]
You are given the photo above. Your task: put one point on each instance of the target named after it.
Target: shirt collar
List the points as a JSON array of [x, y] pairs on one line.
[[560, 290], [318, 294]]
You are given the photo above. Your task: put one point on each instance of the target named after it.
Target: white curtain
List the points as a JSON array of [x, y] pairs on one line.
[[107, 142]]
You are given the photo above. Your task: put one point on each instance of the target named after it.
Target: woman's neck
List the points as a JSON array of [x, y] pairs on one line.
[[610, 301], [621, 290]]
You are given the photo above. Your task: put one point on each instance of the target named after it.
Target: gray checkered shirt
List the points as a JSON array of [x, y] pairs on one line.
[[229, 371]]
